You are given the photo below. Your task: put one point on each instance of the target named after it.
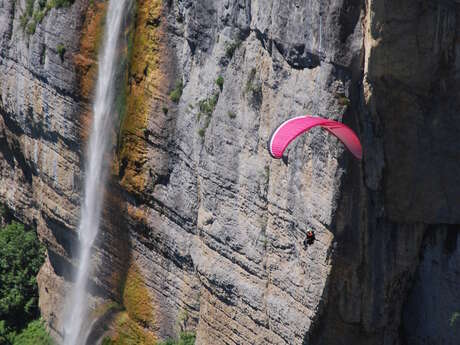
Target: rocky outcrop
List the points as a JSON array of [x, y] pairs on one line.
[[214, 226]]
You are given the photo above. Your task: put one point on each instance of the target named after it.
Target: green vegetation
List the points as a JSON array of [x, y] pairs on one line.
[[232, 47], [231, 114], [29, 7], [220, 82], [30, 29], [185, 338], [176, 94], [34, 334], [61, 51], [30, 17], [165, 110], [454, 318], [21, 256], [206, 107], [342, 99]]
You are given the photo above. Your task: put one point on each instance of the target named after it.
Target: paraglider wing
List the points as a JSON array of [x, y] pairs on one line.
[[292, 128]]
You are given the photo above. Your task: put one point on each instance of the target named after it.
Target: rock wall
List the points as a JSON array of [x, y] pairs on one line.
[[40, 111], [215, 226]]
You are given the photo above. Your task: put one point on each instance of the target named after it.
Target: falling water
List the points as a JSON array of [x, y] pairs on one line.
[[95, 169]]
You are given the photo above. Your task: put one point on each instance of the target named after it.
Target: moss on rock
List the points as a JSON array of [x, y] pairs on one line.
[[146, 79], [136, 298]]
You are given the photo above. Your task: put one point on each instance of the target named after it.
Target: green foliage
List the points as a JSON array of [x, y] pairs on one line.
[[220, 82], [185, 338], [454, 318], [23, 20], [176, 94], [6, 334], [34, 334], [208, 105], [165, 110], [345, 101], [231, 114], [30, 29], [21, 256], [201, 132], [29, 8], [231, 48], [39, 15], [61, 51]]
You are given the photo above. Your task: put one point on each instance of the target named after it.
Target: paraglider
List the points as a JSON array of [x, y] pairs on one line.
[[292, 128]]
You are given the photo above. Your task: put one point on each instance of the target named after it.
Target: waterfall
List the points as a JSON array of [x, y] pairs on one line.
[[96, 169]]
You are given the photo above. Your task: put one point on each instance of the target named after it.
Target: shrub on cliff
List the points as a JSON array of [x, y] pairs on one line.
[[21, 256], [176, 94]]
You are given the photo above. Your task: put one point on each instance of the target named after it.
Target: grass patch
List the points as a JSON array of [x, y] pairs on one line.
[[176, 93], [231, 114], [61, 51]]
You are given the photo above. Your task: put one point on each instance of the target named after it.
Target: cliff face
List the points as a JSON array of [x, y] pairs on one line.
[[40, 133], [215, 226]]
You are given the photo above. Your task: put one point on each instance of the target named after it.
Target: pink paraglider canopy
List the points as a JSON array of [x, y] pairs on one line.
[[291, 129]]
